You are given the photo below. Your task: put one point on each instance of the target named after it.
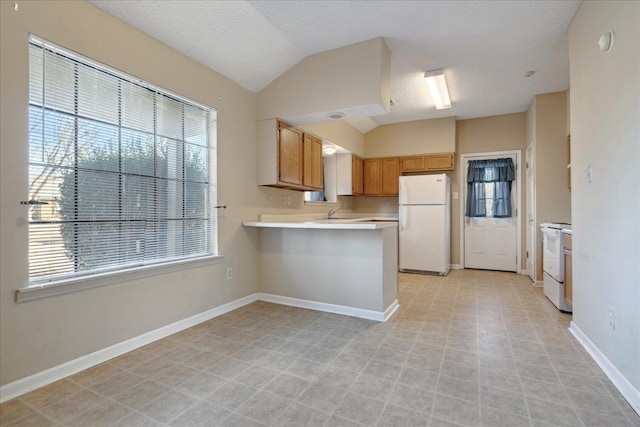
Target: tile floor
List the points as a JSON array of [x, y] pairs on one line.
[[473, 348]]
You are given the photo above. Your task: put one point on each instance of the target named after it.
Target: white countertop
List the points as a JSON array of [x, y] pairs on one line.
[[319, 221]]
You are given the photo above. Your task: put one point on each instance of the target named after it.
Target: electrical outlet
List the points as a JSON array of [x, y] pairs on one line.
[[229, 273], [284, 200], [612, 318], [269, 198], [288, 200]]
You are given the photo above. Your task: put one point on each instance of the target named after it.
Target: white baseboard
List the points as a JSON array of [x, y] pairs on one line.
[[32, 382], [623, 385], [390, 310], [329, 308], [456, 267]]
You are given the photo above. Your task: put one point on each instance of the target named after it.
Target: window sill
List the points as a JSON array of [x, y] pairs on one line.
[[68, 286]]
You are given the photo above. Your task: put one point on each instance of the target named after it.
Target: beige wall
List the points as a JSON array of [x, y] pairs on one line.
[[551, 155], [547, 131], [416, 137], [351, 79], [41, 334], [605, 134], [340, 133]]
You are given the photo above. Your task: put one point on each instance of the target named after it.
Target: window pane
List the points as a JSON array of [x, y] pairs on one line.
[[169, 158], [35, 75], [169, 117], [195, 163], [137, 107], [109, 157], [98, 146], [97, 95], [59, 82], [137, 153], [195, 125], [51, 138]]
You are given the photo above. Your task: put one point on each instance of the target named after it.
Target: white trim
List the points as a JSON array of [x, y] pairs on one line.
[[538, 283], [77, 284], [391, 310], [623, 385], [40, 379], [456, 267], [531, 246], [329, 308], [463, 193]]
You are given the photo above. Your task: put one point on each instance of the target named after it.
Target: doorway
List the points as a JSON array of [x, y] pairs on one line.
[[491, 241]]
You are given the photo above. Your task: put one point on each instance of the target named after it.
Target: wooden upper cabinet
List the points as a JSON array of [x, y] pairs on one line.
[[414, 164], [372, 175], [427, 163], [381, 176], [312, 166], [440, 162], [390, 176], [357, 175], [290, 155]]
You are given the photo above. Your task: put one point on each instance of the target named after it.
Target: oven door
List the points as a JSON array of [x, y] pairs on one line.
[[552, 253]]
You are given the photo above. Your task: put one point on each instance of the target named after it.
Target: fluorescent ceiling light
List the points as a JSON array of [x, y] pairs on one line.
[[329, 150], [437, 85]]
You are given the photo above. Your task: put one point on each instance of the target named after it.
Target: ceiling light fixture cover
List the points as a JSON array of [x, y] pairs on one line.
[[329, 150], [437, 85], [336, 116]]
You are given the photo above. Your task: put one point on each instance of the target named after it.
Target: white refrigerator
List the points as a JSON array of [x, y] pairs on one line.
[[424, 224]]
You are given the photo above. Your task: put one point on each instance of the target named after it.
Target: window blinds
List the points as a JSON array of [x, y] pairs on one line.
[[124, 172]]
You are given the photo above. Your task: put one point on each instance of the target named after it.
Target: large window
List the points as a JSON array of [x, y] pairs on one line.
[[121, 173]]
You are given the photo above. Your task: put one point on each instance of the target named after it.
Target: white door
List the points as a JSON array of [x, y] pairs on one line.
[[491, 243], [531, 216]]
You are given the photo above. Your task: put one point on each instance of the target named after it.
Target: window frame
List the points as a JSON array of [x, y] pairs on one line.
[[100, 276]]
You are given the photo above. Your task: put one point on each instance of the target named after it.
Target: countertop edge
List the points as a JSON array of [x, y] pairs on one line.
[[323, 226]]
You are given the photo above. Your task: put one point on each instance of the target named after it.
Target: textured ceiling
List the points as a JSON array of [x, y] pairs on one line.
[[485, 47]]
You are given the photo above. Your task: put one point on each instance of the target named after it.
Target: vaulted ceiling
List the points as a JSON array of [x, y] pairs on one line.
[[486, 47]]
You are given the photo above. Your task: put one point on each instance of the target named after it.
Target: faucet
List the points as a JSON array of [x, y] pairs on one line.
[[332, 212]]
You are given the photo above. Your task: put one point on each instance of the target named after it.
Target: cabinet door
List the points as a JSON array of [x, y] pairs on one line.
[[440, 162], [372, 177], [312, 167], [357, 175], [568, 279], [390, 176], [290, 149], [414, 164]]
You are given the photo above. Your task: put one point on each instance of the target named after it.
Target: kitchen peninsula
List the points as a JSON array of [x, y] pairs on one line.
[[347, 266]]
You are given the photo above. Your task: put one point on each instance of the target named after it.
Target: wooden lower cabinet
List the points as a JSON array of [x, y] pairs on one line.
[[381, 176], [568, 271]]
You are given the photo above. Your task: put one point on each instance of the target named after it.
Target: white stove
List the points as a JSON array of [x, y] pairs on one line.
[[553, 262]]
